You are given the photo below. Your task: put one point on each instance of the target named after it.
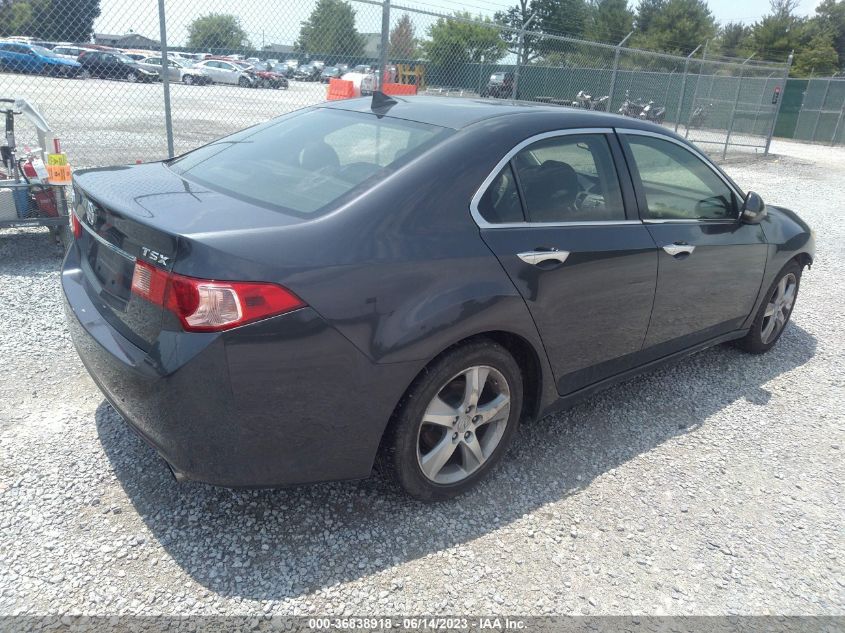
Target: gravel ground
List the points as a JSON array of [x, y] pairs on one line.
[[710, 487]]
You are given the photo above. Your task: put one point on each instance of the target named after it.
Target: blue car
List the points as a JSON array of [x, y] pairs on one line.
[[27, 58]]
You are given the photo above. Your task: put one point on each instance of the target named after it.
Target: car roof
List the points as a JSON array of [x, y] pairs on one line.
[[461, 112]]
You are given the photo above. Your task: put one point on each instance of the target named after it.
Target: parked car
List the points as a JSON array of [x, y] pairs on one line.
[[390, 291], [193, 75], [71, 52], [154, 64], [499, 86], [114, 66], [28, 58], [264, 78], [227, 72], [330, 72], [307, 72], [137, 56]]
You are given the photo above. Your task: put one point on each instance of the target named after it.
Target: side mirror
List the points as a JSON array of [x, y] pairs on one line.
[[753, 209]]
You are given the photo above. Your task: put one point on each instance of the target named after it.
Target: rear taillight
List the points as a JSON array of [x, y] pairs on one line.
[[204, 305], [75, 226]]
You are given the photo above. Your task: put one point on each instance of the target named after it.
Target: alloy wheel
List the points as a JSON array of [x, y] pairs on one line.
[[188, 80], [779, 307], [132, 77], [463, 424]]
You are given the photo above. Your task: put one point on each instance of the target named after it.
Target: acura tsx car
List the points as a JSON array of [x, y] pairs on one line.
[[406, 280]]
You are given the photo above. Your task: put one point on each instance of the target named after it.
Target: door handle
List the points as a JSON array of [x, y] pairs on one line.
[[679, 248], [539, 256]]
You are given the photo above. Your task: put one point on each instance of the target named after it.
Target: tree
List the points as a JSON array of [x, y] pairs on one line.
[[330, 30], [675, 26], [217, 31], [56, 20], [515, 18], [552, 17], [403, 44], [457, 42], [831, 15], [733, 40], [647, 11], [611, 21], [778, 33], [816, 57]]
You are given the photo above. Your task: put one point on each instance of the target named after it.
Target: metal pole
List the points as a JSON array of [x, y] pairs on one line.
[[165, 79], [615, 71], [733, 109], [821, 109], [697, 84], [521, 41], [776, 113], [683, 89], [385, 42], [838, 123]]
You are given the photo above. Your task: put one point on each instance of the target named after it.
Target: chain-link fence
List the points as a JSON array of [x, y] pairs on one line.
[[235, 64], [822, 115]]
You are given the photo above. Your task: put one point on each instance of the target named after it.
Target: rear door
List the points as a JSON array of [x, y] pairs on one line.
[[710, 264], [559, 213]]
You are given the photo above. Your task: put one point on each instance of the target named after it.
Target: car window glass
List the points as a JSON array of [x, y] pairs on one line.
[[677, 184], [569, 179], [500, 202], [303, 163]]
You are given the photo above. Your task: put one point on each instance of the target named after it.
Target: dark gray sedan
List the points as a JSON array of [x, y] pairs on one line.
[[409, 279]]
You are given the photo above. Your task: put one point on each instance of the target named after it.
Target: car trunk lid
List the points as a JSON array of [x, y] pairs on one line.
[[146, 213]]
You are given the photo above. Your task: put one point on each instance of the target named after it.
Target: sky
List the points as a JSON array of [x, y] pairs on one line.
[[277, 21]]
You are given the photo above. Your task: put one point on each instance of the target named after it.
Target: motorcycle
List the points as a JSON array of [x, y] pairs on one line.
[[653, 113], [630, 107], [699, 116], [585, 101]]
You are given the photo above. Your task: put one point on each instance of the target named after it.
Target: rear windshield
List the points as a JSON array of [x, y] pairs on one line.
[[306, 162]]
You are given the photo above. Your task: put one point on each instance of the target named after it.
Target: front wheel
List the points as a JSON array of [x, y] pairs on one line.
[[456, 422], [243, 82], [187, 80], [132, 77], [774, 312]]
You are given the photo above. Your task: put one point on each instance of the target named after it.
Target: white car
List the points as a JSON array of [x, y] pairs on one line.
[[225, 72], [70, 52]]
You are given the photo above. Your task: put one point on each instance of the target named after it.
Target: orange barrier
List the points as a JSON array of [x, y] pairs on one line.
[[399, 89], [340, 89]]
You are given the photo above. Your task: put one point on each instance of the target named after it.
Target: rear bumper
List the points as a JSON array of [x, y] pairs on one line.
[[280, 402]]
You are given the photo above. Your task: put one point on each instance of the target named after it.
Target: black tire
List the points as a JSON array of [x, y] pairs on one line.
[[243, 82], [132, 77], [399, 456], [754, 342], [188, 80]]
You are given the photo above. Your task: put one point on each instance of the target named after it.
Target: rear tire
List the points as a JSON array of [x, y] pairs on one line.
[[132, 77], [455, 422], [187, 80], [775, 311]]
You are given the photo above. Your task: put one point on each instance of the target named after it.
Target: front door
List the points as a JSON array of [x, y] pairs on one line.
[[710, 264], [554, 216]]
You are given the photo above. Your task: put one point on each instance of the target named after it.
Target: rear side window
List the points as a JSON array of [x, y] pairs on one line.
[[500, 202], [569, 178], [304, 163]]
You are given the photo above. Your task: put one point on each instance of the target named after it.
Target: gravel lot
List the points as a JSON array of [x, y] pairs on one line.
[[710, 487]]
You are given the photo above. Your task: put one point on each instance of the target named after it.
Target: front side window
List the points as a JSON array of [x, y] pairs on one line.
[[569, 178], [304, 163], [677, 184]]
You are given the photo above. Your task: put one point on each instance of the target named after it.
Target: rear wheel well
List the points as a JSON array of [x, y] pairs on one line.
[[523, 353]]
